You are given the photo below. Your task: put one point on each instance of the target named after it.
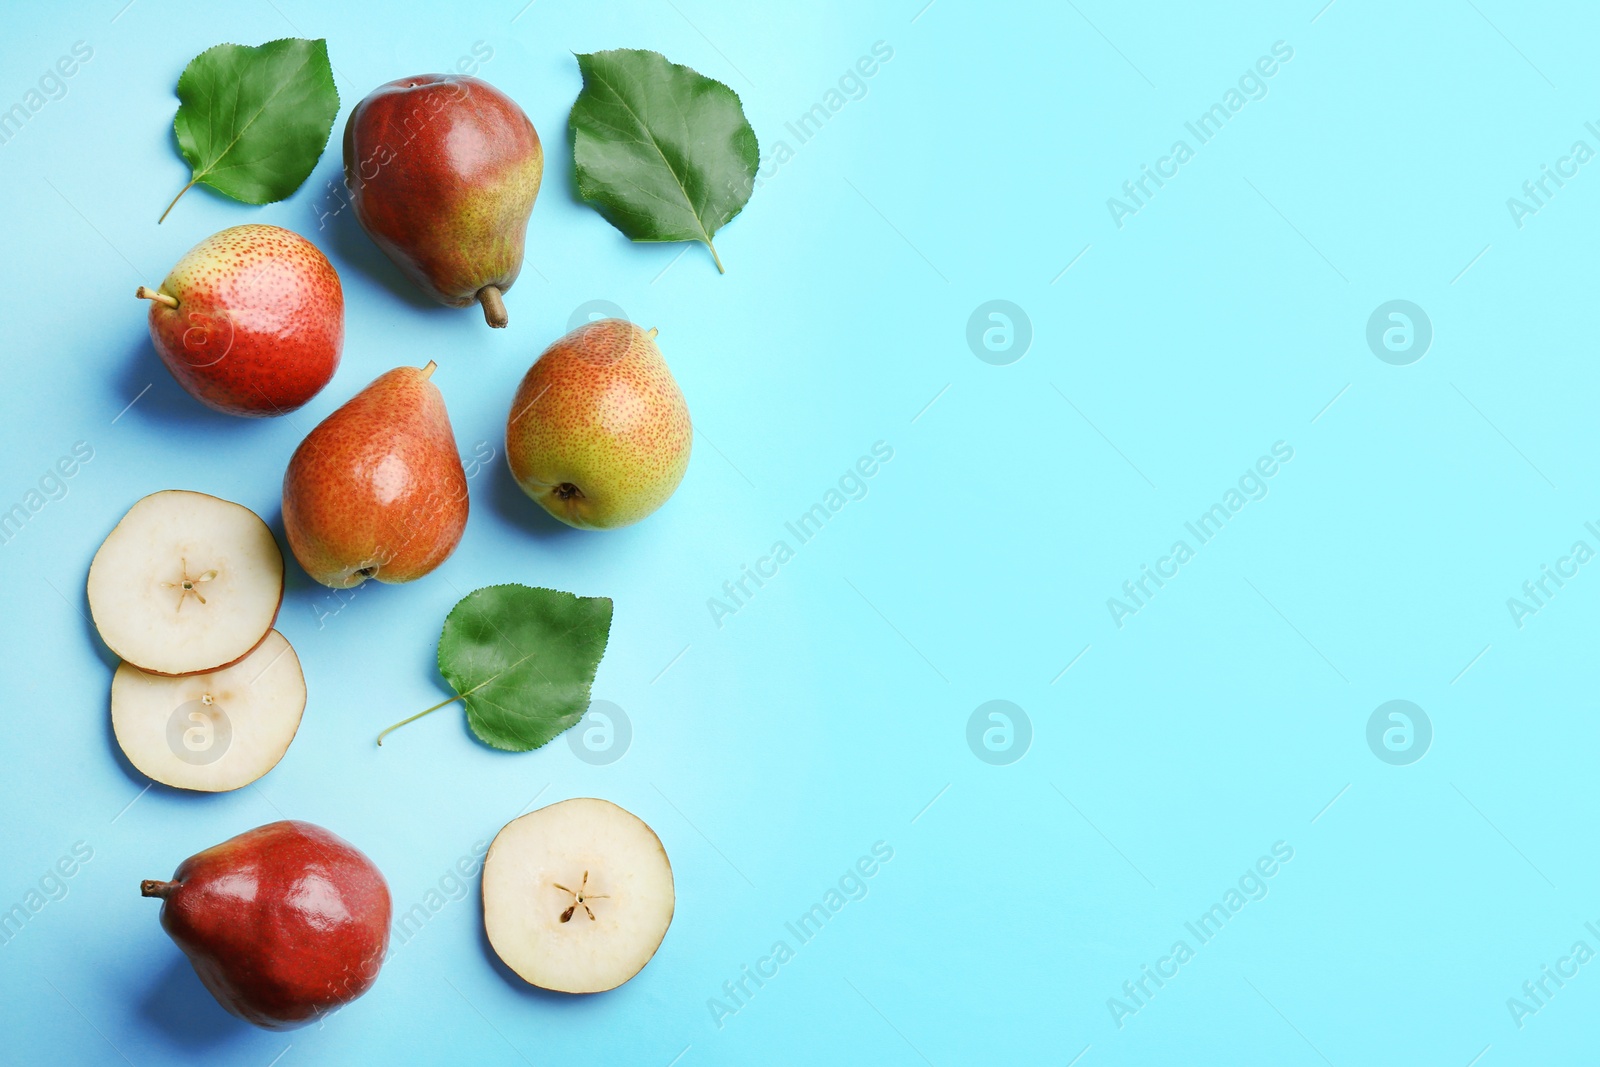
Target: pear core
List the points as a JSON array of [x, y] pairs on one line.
[[577, 896]]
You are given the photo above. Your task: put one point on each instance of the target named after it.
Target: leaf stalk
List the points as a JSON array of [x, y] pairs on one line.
[[175, 200], [415, 717]]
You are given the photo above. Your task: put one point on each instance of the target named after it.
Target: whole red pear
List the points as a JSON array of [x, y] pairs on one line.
[[250, 321], [283, 923], [443, 170], [377, 489]]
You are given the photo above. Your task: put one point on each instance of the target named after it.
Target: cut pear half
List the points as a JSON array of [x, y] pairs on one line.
[[211, 732], [185, 583], [577, 896]]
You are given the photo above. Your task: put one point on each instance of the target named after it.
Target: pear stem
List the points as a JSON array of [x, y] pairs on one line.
[[415, 717], [494, 309], [161, 298], [714, 257], [175, 200], [427, 372], [152, 888], [651, 333]]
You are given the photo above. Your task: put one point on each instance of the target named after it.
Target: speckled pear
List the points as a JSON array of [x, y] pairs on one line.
[[599, 432], [250, 321], [377, 490]]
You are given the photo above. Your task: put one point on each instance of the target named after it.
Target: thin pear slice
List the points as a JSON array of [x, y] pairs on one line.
[[185, 583], [211, 732], [577, 896]]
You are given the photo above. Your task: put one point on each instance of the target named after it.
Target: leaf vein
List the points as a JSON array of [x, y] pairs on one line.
[[212, 166], [654, 144]]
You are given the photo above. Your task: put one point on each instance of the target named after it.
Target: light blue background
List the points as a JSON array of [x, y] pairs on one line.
[[1228, 714]]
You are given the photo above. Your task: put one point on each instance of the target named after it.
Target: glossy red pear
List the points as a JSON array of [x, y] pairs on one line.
[[283, 924], [443, 170]]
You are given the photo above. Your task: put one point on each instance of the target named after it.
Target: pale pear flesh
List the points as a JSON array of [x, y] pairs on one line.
[[577, 896], [185, 583], [211, 732]]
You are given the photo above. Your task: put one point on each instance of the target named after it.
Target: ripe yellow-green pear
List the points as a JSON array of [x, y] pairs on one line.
[[599, 432]]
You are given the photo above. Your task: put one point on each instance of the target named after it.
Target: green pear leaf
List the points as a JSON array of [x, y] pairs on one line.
[[662, 152], [252, 122], [521, 660]]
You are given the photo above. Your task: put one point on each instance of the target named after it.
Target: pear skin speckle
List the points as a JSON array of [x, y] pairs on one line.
[[377, 490], [259, 322], [599, 432]]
